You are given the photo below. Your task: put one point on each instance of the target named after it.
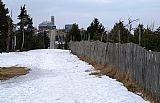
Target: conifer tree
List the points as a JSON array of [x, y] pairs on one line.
[[23, 17], [74, 34], [120, 34], [29, 33], [95, 30], [5, 28]]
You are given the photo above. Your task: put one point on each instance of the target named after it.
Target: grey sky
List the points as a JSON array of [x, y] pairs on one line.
[[83, 11]]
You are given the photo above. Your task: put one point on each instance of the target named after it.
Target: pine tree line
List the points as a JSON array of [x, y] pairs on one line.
[[5, 25], [24, 38], [145, 37]]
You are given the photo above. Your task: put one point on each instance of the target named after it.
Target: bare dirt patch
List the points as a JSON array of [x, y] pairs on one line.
[[10, 72]]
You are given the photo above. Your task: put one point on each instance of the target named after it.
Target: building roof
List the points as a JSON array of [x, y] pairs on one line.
[[46, 23]]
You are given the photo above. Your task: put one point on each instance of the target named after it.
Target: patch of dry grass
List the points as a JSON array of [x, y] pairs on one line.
[[125, 78], [10, 72]]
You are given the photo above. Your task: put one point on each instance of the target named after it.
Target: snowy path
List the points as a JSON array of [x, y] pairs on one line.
[[59, 77]]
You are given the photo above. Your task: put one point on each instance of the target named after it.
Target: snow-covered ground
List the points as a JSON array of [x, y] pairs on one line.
[[57, 76]]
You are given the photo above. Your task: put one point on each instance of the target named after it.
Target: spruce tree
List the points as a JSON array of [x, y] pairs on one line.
[[95, 30], [23, 17], [74, 34], [5, 27], [120, 34], [29, 33]]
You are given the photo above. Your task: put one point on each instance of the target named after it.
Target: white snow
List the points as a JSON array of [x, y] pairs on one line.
[[57, 76]]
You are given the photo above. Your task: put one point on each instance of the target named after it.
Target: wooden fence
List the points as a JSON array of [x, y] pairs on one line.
[[143, 65]]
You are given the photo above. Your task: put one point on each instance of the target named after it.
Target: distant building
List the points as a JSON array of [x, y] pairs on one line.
[[68, 27], [50, 28], [56, 36], [47, 25]]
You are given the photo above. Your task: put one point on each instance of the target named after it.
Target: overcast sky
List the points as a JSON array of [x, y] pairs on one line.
[[83, 11]]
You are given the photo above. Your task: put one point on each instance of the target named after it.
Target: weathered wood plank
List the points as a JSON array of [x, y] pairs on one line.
[[142, 64]]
